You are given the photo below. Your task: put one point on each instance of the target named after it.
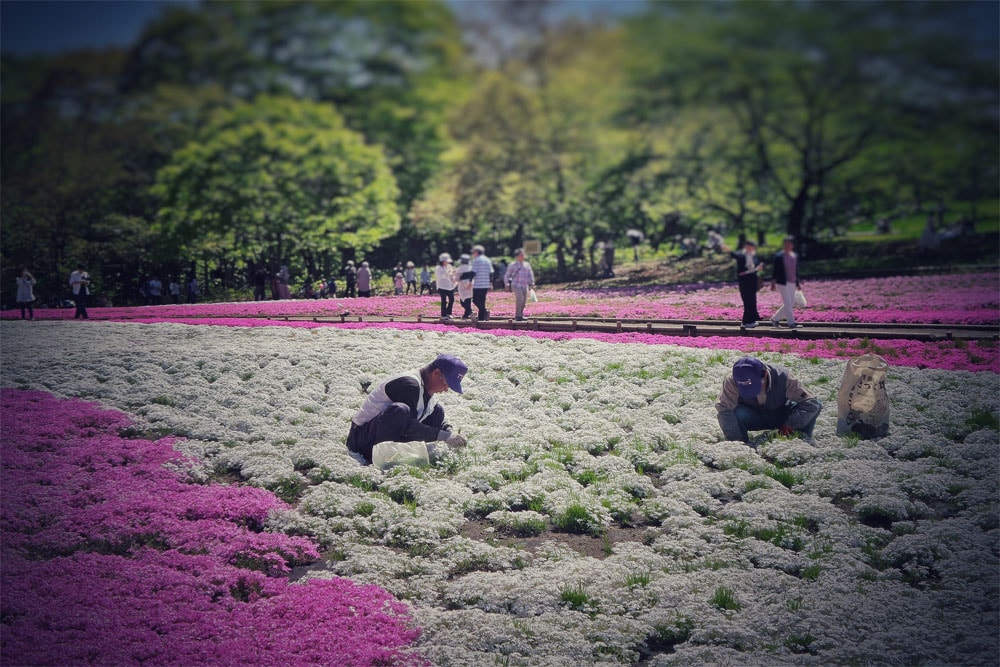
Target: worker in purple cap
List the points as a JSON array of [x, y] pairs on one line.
[[404, 408], [759, 396]]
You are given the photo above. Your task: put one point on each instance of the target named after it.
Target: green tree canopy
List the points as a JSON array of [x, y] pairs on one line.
[[275, 179]]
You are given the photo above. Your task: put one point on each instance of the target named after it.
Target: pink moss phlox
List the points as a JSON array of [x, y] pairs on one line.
[[111, 557], [972, 298], [981, 355]]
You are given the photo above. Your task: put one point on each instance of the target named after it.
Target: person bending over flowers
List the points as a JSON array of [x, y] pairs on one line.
[[404, 408], [759, 396]]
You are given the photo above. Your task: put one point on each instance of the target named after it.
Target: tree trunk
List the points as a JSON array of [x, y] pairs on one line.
[[797, 212], [560, 262]]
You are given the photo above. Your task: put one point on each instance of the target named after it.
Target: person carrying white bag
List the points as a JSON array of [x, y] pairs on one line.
[[785, 280], [404, 408]]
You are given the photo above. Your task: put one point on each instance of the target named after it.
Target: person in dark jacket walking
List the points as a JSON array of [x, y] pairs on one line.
[[759, 396], [404, 408], [786, 280]]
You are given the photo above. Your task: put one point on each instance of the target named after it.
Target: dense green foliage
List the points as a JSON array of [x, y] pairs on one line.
[[235, 136]]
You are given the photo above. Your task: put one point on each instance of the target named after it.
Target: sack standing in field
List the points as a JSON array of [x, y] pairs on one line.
[[863, 403]]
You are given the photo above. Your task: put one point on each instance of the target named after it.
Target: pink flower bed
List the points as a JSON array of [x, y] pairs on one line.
[[110, 557], [972, 298], [947, 355]]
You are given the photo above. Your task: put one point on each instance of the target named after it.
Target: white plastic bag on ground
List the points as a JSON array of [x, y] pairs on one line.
[[863, 403], [388, 455]]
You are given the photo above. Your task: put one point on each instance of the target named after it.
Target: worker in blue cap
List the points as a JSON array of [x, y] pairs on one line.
[[759, 397], [404, 408]]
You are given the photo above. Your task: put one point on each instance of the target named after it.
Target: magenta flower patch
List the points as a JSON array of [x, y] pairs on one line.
[[111, 557]]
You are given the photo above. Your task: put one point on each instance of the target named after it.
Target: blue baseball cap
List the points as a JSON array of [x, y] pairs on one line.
[[453, 369], [748, 374]]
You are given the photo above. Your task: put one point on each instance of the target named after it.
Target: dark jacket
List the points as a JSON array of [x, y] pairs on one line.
[[779, 269], [741, 264]]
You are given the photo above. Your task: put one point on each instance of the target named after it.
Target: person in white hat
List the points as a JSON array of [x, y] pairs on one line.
[[444, 275]]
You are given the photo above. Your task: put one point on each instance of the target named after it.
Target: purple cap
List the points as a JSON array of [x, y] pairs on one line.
[[453, 369], [748, 374]]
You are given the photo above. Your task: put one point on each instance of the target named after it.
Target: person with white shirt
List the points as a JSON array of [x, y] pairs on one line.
[[444, 276], [79, 280]]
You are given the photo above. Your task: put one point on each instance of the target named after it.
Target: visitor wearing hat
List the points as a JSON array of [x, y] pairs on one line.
[[411, 277], [759, 396], [404, 408], [444, 276]]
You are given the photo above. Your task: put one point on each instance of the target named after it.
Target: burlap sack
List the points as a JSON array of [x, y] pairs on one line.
[[863, 403]]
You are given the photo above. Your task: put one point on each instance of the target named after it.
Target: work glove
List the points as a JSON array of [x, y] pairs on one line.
[[786, 430], [456, 441]]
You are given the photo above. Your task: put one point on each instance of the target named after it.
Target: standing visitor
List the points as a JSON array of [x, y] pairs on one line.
[[405, 408], [79, 281], [364, 280], [445, 278], [193, 289], [748, 266], [425, 279], [519, 279], [155, 291], [350, 280], [465, 276], [284, 291], [483, 268], [759, 396], [26, 293], [411, 277], [786, 281], [499, 274], [331, 287], [398, 282], [260, 284], [175, 290]]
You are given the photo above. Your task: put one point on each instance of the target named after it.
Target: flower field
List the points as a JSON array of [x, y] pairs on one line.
[[594, 518], [949, 299]]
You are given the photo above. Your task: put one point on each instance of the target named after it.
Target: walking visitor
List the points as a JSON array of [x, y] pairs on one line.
[[79, 280], [411, 277], [364, 280], [25, 293], [786, 280], [350, 280], [483, 268], [425, 279], [748, 277], [519, 279], [465, 275], [445, 278]]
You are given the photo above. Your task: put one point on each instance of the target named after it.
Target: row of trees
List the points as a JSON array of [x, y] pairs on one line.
[[239, 135]]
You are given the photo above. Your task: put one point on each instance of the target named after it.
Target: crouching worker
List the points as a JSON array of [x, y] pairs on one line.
[[405, 408], [759, 396]]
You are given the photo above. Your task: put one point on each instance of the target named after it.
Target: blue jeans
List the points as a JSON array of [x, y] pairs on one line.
[[800, 416]]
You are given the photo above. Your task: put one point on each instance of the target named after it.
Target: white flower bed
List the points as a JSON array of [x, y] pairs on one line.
[[673, 547]]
